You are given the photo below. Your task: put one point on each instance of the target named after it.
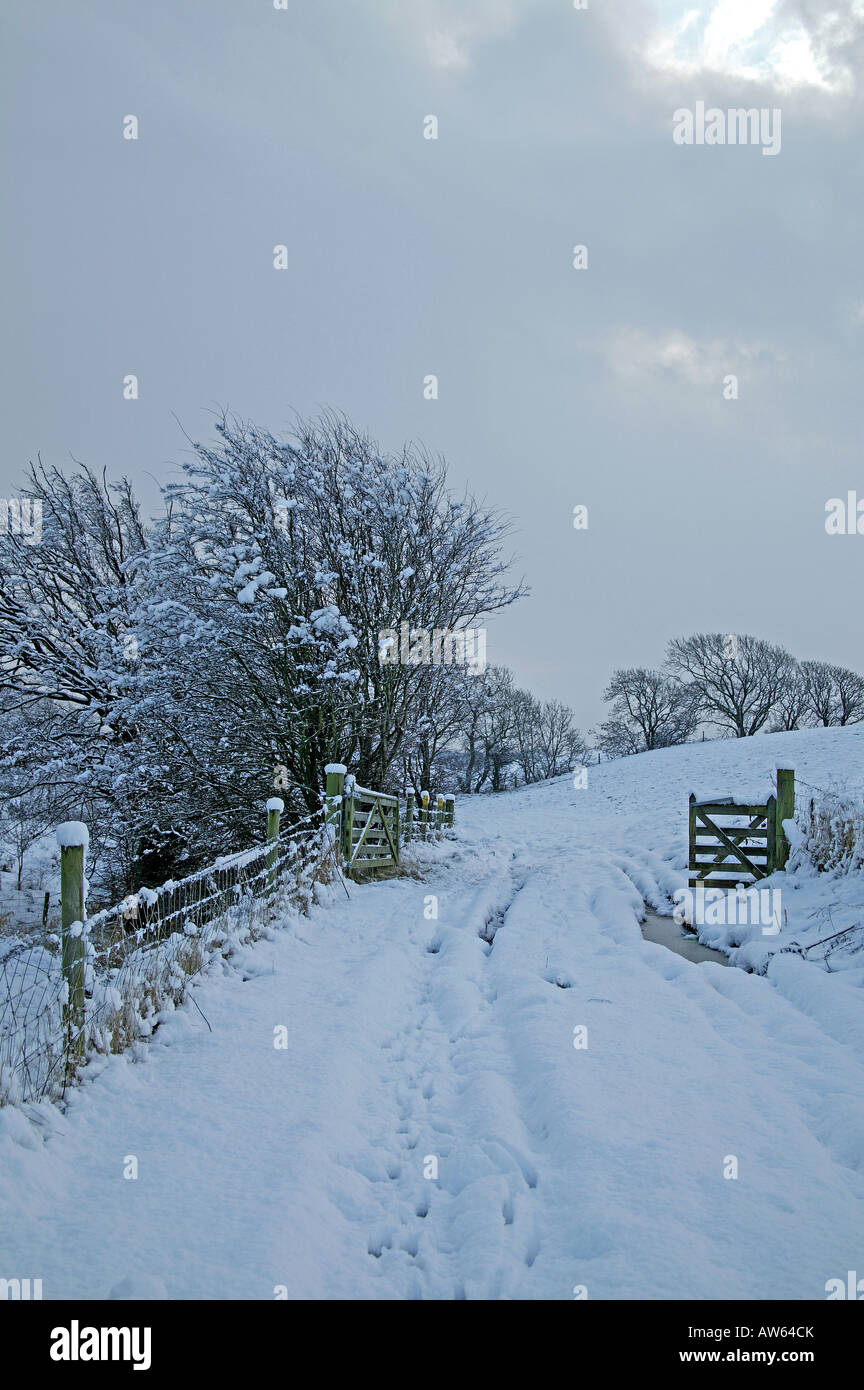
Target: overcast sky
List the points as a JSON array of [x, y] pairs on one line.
[[408, 256]]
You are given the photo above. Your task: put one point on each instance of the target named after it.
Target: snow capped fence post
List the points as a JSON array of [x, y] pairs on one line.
[[439, 815], [409, 815], [450, 809], [275, 807], [785, 811], [73, 839], [335, 774], [424, 816]]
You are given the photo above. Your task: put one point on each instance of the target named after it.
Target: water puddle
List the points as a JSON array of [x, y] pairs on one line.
[[665, 931]]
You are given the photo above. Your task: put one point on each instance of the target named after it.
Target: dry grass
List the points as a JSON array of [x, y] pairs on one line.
[[834, 835]]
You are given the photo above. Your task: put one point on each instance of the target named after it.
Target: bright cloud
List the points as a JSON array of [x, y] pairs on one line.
[[761, 40]]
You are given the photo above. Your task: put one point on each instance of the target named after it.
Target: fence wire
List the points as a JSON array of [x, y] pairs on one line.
[[139, 957]]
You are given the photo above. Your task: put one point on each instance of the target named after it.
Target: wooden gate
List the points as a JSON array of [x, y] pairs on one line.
[[370, 828], [738, 842], [365, 827]]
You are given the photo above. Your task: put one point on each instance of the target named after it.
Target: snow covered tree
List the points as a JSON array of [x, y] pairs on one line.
[[277, 569], [65, 672], [398, 549], [65, 602], [163, 676], [29, 803]]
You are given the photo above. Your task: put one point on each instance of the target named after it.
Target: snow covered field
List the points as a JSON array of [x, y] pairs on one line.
[[21, 911], [419, 1046]]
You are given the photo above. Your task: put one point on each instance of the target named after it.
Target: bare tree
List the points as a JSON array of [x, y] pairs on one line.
[[488, 729], [618, 738], [834, 695], [792, 710], [497, 729], [737, 680], [648, 711], [435, 727], [526, 734], [501, 724], [560, 743]]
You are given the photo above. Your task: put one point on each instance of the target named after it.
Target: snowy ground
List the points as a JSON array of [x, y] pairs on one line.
[[412, 1039], [21, 910]]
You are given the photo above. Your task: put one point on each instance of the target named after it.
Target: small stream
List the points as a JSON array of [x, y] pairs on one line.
[[665, 931]]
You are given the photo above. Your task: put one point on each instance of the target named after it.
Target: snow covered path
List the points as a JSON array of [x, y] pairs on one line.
[[412, 1039]]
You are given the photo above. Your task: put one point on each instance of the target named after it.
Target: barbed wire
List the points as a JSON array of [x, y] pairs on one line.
[[832, 795]]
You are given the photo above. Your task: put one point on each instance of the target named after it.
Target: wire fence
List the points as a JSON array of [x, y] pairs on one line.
[[842, 797], [139, 957], [831, 822]]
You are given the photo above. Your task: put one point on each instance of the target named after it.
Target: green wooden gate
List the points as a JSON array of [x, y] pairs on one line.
[[370, 828], [739, 842], [366, 828]]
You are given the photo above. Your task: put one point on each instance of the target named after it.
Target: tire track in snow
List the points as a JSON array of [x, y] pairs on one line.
[[454, 1114]]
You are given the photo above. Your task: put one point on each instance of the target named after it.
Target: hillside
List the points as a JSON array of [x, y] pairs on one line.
[[518, 1097]]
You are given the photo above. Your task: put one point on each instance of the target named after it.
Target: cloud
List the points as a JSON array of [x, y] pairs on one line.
[[445, 33], [676, 357], [786, 44]]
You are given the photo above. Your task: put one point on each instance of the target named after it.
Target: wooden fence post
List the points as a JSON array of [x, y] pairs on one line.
[[691, 837], [439, 816], [73, 840], [785, 811], [348, 819], [450, 809], [335, 774], [396, 828], [409, 815], [424, 815], [771, 841], [275, 807]]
